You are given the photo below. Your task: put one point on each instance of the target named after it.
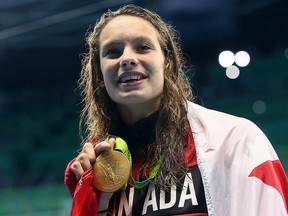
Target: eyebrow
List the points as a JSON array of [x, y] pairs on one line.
[[111, 43], [118, 42]]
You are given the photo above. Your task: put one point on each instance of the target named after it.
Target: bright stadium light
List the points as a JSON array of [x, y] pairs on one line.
[[242, 58], [232, 72], [226, 58]]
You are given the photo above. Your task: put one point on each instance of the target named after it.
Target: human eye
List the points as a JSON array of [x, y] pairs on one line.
[[143, 48], [112, 53]]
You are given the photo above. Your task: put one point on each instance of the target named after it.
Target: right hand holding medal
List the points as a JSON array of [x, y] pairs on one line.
[[112, 168], [88, 155]]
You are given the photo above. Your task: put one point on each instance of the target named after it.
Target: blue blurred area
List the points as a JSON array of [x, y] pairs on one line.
[[40, 47]]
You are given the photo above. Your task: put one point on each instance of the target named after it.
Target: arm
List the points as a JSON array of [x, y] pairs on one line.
[[70, 178], [87, 200]]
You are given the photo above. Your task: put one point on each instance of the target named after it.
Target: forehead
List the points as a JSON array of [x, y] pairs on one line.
[[125, 26]]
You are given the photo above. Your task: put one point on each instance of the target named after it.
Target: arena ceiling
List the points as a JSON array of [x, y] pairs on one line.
[[33, 30], [45, 23]]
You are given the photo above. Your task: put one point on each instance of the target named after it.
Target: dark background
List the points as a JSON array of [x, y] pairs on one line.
[[40, 47]]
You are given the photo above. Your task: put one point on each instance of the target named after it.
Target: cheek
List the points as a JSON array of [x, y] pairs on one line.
[[105, 70], [102, 67], [107, 82], [162, 70], [109, 66]]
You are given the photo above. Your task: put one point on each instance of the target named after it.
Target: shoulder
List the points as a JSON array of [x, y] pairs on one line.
[[229, 132], [218, 120]]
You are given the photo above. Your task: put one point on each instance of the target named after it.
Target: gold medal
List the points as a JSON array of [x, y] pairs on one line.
[[111, 171]]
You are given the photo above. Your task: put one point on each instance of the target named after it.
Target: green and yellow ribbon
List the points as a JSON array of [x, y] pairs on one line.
[[121, 145]]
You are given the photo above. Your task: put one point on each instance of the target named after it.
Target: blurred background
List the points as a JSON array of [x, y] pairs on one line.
[[238, 50]]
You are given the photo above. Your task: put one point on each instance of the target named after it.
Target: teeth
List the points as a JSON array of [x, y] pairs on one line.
[[130, 77]]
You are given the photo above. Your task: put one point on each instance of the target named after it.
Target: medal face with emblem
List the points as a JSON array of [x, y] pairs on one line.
[[111, 171]]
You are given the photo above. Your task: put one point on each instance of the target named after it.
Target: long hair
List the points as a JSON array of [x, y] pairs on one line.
[[100, 113]]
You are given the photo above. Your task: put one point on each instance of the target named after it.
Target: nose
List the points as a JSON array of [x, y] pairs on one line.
[[128, 60], [128, 63]]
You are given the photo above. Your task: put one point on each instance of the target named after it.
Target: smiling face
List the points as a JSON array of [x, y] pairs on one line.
[[132, 64]]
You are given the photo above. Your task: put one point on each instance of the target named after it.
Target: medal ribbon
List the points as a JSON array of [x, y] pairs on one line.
[[121, 145]]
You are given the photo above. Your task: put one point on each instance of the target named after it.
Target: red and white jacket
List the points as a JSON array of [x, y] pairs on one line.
[[240, 170]]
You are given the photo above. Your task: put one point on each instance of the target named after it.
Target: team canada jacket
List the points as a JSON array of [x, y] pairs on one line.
[[240, 171]]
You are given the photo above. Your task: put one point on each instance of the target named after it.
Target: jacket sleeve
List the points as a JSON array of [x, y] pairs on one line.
[[70, 178], [86, 198]]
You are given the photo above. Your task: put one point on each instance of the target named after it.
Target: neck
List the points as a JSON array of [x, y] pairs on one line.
[[134, 112]]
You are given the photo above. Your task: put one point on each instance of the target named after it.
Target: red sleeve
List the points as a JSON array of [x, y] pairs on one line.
[[86, 198], [70, 178]]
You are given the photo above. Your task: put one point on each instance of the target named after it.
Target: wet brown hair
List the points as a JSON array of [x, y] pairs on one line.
[[100, 113]]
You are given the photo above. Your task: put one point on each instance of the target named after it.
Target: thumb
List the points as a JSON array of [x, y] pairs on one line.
[[112, 142]]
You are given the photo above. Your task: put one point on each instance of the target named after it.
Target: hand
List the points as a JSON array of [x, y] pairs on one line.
[[87, 156]]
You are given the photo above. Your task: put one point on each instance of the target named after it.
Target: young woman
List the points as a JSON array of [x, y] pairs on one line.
[[185, 159]]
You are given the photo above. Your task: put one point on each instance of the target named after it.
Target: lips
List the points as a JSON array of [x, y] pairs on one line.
[[131, 77]]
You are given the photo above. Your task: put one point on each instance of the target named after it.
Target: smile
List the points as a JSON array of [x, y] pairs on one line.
[[130, 78]]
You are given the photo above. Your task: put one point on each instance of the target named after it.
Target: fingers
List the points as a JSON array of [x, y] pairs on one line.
[[102, 146], [84, 160], [77, 169], [88, 149], [81, 164], [88, 155]]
